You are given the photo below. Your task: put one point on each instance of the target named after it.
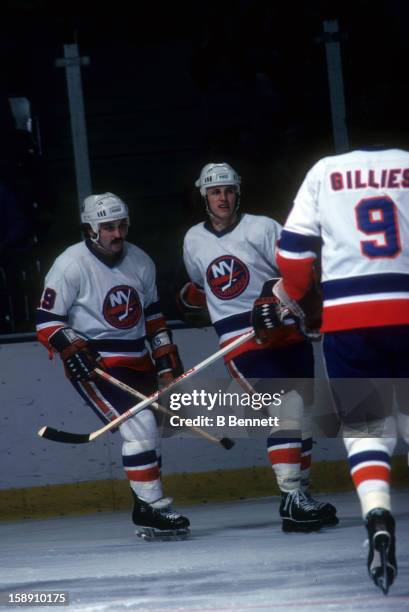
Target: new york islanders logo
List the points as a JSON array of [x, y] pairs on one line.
[[227, 277], [122, 307]]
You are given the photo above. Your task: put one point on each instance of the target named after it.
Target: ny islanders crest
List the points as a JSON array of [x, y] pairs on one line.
[[227, 277], [122, 307]]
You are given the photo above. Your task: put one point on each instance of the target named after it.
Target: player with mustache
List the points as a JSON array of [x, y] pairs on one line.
[[99, 304]]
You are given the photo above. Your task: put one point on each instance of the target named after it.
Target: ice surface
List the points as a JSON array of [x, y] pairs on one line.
[[237, 559]]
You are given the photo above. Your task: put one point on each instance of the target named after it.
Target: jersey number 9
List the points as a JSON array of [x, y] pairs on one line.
[[378, 215], [48, 299]]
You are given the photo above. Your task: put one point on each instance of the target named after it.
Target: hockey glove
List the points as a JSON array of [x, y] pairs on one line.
[[307, 311], [78, 358], [166, 356], [268, 313], [191, 302]]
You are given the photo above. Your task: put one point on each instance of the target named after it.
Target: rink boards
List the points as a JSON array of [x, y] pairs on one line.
[[43, 478]]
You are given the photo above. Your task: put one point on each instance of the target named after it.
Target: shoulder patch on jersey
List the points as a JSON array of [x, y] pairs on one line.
[[122, 307], [227, 277]]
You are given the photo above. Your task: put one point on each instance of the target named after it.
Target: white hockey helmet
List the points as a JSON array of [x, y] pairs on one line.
[[217, 174], [102, 208]]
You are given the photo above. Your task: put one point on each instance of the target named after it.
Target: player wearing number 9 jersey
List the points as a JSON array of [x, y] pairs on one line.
[[354, 209], [357, 204]]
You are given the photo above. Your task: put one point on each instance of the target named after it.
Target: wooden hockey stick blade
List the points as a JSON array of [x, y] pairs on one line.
[[152, 398], [57, 435]]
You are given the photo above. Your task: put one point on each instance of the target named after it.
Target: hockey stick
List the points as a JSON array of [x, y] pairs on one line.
[[71, 438], [227, 443]]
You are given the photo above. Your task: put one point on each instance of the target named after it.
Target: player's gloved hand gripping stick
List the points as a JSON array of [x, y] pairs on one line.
[[274, 309], [269, 314], [79, 360], [307, 311], [63, 436]]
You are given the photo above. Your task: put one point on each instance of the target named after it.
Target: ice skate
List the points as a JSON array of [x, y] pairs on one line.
[[326, 511], [299, 513], [157, 522], [382, 565]]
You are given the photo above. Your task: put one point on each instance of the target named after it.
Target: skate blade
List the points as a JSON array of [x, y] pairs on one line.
[[382, 572], [149, 534], [384, 577], [383, 583]]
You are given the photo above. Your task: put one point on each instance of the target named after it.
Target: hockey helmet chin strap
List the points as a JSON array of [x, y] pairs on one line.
[[95, 239]]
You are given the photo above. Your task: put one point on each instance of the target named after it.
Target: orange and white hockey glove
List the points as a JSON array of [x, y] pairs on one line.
[[168, 364]]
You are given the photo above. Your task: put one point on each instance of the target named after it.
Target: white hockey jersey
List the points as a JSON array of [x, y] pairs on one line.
[[357, 205], [112, 307], [232, 266]]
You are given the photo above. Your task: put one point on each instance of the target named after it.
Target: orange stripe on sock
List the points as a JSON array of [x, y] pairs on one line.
[[372, 472], [143, 475], [285, 455]]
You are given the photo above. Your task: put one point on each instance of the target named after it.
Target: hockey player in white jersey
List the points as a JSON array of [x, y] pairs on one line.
[[357, 206], [98, 306], [228, 259]]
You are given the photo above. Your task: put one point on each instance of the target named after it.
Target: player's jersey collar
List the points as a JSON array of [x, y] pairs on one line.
[[225, 231]]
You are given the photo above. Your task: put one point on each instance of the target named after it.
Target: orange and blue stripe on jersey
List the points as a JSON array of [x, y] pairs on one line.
[[296, 255], [366, 300], [46, 324], [373, 300], [230, 328]]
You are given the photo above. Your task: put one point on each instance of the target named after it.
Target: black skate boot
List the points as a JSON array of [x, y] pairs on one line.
[[298, 513], [382, 565], [157, 521], [326, 511]]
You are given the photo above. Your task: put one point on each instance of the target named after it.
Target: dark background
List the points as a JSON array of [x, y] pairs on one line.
[[170, 87]]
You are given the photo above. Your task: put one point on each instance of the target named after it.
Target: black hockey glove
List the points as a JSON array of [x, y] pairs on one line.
[[168, 364], [78, 358], [268, 313]]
